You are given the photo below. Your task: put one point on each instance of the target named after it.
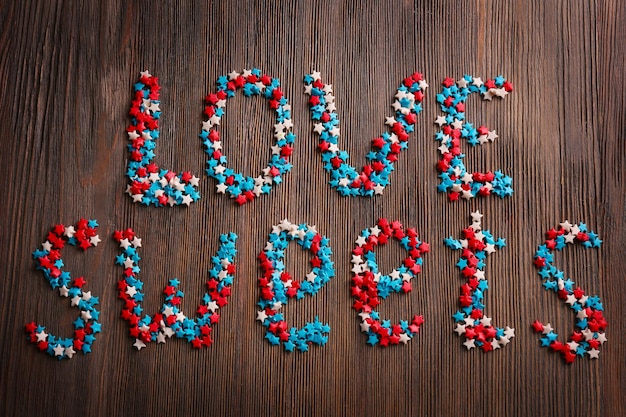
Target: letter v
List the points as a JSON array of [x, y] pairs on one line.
[[385, 149]]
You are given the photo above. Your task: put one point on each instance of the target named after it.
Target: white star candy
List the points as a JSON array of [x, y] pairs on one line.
[[469, 344], [457, 124], [58, 350], [261, 316], [547, 328], [593, 353], [139, 344], [69, 352], [476, 216]]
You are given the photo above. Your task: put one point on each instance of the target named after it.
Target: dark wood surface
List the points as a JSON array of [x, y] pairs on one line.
[[66, 75]]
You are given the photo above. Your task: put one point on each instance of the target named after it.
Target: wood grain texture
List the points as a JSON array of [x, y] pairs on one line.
[[66, 75]]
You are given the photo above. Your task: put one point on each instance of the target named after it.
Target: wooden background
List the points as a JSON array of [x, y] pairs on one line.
[[66, 73]]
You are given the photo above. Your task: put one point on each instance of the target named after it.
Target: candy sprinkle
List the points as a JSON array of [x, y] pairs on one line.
[[149, 184]]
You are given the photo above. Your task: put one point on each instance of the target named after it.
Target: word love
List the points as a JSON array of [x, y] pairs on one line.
[[153, 185], [277, 286]]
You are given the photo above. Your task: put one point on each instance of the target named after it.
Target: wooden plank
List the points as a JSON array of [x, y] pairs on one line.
[[66, 75]]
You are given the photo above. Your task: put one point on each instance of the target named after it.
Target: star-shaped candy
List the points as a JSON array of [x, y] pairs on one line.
[[149, 184]]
